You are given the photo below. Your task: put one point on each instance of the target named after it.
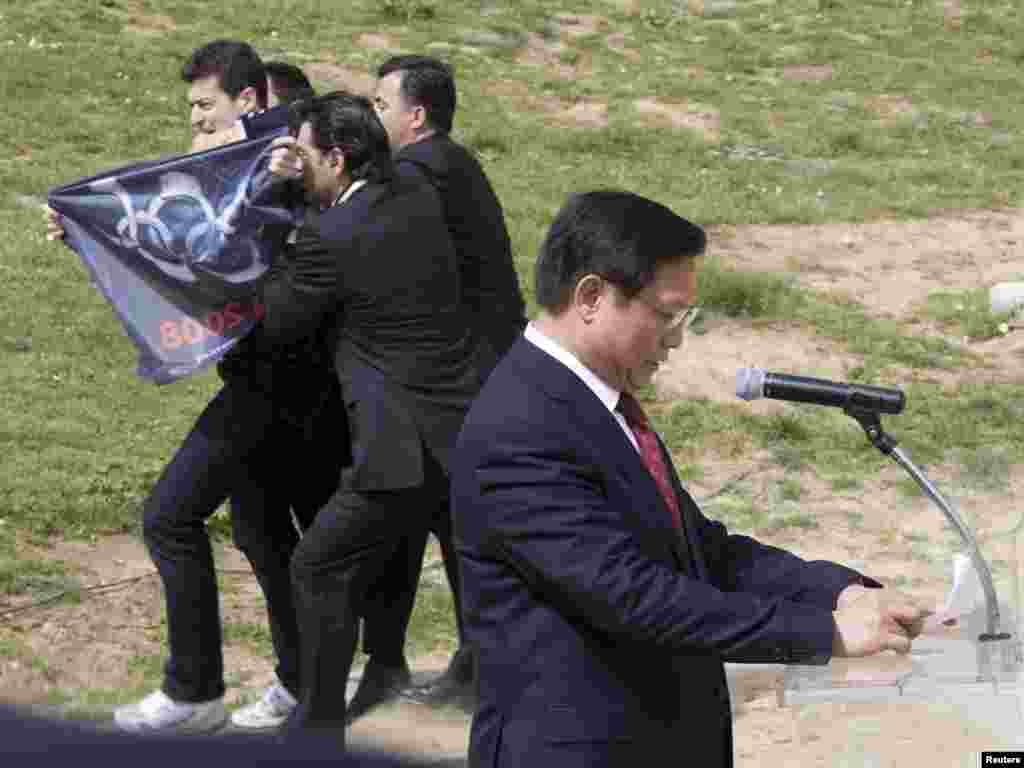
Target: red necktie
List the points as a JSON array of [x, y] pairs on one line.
[[650, 451]]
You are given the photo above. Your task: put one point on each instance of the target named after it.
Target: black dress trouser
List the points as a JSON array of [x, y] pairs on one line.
[[240, 449], [388, 614], [336, 569], [390, 609]]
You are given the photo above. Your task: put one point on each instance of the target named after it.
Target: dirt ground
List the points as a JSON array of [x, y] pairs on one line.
[[890, 268]]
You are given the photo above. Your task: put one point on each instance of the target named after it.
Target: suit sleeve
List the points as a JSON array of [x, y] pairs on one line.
[[265, 122], [475, 220], [302, 291], [742, 564], [550, 521]]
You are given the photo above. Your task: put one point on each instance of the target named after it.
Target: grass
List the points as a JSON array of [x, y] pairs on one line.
[[254, 637], [432, 626], [985, 468], [913, 120], [791, 489], [20, 575], [966, 313]]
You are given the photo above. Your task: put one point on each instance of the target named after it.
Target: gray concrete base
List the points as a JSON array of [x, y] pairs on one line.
[[974, 687]]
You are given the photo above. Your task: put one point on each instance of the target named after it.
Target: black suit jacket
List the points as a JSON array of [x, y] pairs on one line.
[[298, 376], [476, 224], [383, 275]]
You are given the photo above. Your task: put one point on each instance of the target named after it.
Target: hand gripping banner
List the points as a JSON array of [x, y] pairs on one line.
[[180, 248]]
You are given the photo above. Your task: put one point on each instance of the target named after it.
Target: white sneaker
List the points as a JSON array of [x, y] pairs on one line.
[[270, 711], [159, 712]]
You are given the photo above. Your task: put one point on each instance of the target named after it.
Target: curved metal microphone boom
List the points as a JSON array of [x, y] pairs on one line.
[[754, 383], [865, 403]]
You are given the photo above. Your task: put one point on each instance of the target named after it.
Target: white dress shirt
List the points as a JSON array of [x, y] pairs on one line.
[[607, 395]]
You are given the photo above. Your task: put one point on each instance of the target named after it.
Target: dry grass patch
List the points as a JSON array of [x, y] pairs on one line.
[[96, 644], [547, 55], [891, 109], [376, 42], [890, 267], [808, 73], [705, 366], [617, 42], [586, 114], [517, 98], [703, 120], [328, 77], [576, 25], [138, 22], [952, 15]]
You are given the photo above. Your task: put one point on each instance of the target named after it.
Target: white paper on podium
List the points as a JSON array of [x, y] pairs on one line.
[[965, 603]]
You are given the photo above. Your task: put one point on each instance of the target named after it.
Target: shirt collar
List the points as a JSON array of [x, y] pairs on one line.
[[606, 394], [349, 191]]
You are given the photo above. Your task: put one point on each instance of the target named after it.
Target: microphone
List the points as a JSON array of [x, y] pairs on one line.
[[753, 383]]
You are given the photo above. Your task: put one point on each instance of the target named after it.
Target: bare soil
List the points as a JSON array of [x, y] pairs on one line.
[[888, 267]]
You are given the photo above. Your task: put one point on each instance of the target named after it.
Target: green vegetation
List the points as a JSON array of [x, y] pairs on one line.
[[255, 637], [900, 117], [432, 626], [20, 575], [965, 312]]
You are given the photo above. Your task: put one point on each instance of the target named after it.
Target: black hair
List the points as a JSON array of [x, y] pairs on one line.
[[349, 122], [290, 82], [617, 235], [426, 82], [235, 64]]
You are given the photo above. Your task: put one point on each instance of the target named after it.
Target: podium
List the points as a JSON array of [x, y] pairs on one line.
[[956, 694], [930, 707]]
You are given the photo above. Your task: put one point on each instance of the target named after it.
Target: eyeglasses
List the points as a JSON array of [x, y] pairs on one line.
[[681, 319], [674, 321]]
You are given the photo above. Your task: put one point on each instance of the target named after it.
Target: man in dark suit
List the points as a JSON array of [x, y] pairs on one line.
[[599, 599], [406, 362], [286, 83], [274, 401], [415, 98]]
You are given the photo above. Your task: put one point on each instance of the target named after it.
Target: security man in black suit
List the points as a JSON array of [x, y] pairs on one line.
[[388, 279], [415, 99]]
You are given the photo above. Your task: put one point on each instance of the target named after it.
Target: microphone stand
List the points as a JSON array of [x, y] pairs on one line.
[[1011, 652]]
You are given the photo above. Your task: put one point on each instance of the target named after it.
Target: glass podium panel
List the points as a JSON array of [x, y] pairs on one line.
[[948, 700]]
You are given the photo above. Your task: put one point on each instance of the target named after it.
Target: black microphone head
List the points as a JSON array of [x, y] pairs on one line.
[[750, 383], [865, 397]]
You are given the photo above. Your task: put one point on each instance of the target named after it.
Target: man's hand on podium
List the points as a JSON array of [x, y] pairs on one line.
[[869, 621]]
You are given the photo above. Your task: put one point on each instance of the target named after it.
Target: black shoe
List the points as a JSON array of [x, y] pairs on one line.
[[378, 684], [454, 687]]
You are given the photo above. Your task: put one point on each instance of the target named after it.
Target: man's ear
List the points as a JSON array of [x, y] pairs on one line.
[[247, 100], [588, 296], [336, 159], [419, 119]]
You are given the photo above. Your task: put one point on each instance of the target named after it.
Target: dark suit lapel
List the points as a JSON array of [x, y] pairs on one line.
[[561, 383]]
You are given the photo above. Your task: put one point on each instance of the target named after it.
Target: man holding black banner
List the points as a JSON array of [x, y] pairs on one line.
[[273, 399]]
